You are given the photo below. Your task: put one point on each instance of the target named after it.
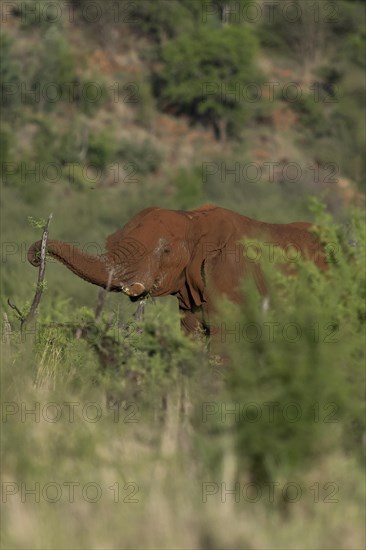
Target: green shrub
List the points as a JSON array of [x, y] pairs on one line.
[[200, 74], [143, 158], [101, 149], [309, 365], [300, 29], [165, 19], [311, 115]]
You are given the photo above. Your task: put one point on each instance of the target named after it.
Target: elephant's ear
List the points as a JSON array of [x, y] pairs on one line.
[[114, 238], [210, 232]]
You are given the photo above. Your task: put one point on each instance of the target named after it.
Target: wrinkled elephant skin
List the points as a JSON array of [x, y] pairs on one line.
[[194, 255]]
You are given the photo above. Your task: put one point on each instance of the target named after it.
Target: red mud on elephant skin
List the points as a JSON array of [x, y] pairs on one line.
[[194, 255]]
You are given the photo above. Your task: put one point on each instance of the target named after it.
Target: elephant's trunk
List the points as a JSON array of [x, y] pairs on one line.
[[94, 269]]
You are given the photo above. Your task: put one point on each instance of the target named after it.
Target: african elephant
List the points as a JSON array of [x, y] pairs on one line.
[[193, 255]]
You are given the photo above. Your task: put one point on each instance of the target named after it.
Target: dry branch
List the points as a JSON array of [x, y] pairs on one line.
[[13, 306], [140, 311], [102, 296], [42, 268]]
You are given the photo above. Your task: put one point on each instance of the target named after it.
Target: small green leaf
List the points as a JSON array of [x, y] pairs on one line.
[[38, 223]]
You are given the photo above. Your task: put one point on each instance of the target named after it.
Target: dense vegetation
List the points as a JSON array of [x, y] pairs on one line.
[[108, 107]]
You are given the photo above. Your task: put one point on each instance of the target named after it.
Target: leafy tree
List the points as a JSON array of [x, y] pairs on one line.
[[161, 20], [305, 29], [207, 76]]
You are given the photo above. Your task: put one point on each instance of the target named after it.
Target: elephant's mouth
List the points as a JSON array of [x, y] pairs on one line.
[[135, 291]]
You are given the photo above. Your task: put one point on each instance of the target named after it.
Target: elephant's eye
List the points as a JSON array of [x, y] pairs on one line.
[[163, 248]]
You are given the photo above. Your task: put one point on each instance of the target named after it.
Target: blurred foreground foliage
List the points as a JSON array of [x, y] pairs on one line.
[[308, 351]]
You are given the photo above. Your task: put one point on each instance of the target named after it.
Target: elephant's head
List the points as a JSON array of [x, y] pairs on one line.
[[150, 253], [157, 252]]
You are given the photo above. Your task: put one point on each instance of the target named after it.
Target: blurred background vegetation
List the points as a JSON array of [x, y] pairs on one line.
[[112, 106]]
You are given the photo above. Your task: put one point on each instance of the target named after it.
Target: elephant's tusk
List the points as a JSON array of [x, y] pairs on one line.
[[136, 289]]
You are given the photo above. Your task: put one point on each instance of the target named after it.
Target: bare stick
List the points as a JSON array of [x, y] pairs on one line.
[[140, 311], [13, 306], [102, 296], [42, 268]]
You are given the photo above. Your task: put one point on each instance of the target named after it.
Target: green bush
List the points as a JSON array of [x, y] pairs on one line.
[[200, 74], [101, 149], [303, 31], [139, 158], [300, 29], [309, 365], [311, 115], [165, 19]]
